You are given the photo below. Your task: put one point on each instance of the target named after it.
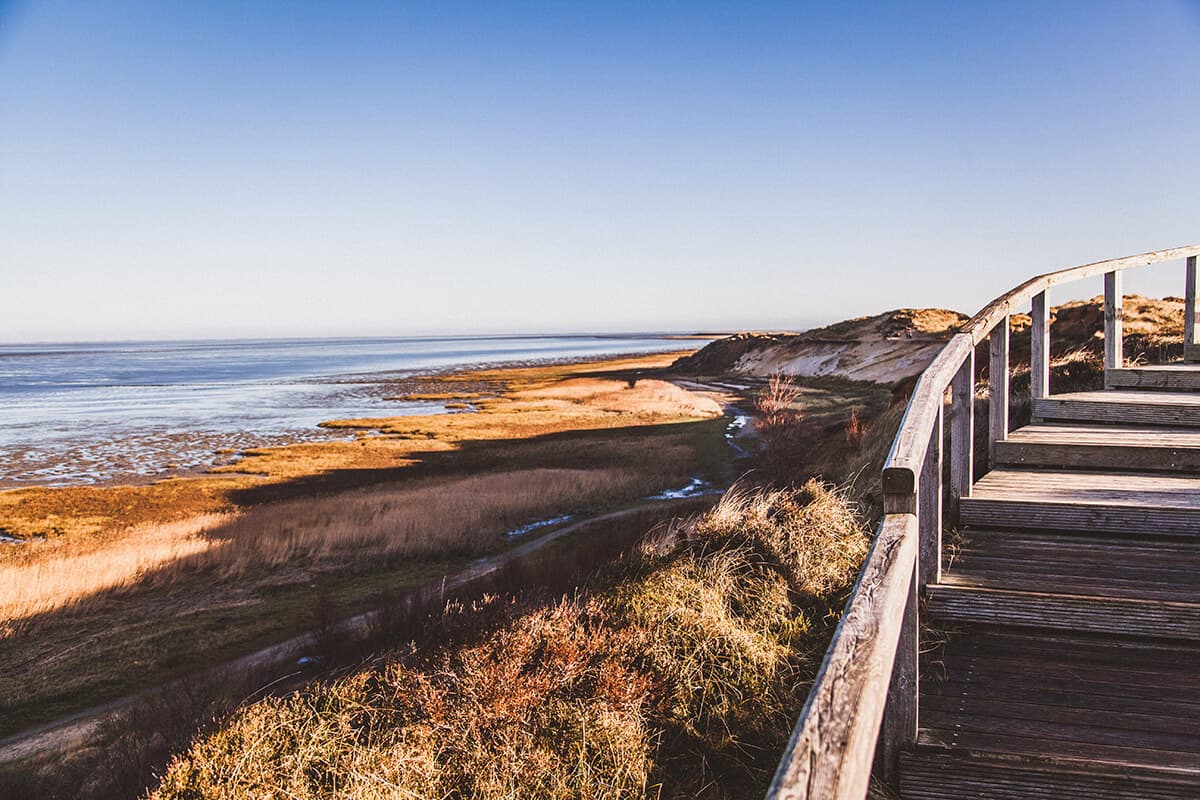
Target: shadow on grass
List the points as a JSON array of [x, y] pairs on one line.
[[134, 744], [593, 448]]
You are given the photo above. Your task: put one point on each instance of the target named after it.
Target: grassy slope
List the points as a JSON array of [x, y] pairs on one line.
[[675, 677]]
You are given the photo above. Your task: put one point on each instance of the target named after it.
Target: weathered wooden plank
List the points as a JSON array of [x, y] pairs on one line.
[[1060, 578], [900, 717], [1088, 433], [1071, 654], [1031, 707], [1069, 681], [1156, 553], [984, 568], [932, 775], [982, 323], [962, 431], [997, 388], [1081, 737], [1124, 616], [1030, 663], [1095, 518], [1191, 315], [1171, 714], [1004, 570], [1146, 453], [1114, 305], [1018, 745], [1039, 344], [832, 746], [1137, 490], [907, 456], [929, 502], [1137, 504], [1168, 377], [1094, 407]]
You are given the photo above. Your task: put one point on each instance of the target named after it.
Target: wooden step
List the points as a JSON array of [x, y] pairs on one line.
[[1023, 713], [1091, 446], [1126, 407], [1098, 502], [1145, 568], [955, 601], [1170, 377], [933, 772]]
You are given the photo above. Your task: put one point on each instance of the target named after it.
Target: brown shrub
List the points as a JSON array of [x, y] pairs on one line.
[[677, 676]]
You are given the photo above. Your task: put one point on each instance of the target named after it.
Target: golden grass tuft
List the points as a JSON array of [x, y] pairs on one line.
[[677, 676]]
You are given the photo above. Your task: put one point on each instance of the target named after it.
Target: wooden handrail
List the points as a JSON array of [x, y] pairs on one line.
[[833, 744], [980, 325], [908, 450], [862, 709]]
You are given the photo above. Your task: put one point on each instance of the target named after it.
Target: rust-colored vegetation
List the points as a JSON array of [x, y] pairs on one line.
[[675, 676]]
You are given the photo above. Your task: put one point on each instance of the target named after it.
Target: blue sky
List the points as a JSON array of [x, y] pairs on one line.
[[229, 169]]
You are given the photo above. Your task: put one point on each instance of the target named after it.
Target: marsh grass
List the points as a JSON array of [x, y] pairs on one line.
[[285, 542], [158, 619], [674, 675]]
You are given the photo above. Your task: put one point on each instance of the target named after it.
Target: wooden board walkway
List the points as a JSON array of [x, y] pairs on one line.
[[1095, 446], [1069, 659], [1032, 631], [1123, 407], [1176, 377]]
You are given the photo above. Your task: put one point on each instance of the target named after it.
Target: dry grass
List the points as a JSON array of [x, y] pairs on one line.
[[284, 542], [677, 677], [49, 576]]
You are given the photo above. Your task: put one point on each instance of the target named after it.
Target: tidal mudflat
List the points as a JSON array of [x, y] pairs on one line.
[[93, 413]]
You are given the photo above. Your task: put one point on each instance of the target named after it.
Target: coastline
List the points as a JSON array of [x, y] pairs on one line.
[[356, 447], [115, 587], [192, 453]]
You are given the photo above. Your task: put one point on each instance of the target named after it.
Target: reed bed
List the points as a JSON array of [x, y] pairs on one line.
[[287, 541]]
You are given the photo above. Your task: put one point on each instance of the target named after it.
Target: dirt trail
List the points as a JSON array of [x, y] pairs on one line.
[[77, 729]]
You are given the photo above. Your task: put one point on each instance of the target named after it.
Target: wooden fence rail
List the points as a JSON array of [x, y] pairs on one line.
[[862, 710]]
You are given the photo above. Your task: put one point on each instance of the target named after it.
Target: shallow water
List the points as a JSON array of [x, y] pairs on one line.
[[86, 413]]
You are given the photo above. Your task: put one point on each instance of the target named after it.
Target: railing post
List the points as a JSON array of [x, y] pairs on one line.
[[1114, 313], [998, 387], [929, 505], [1039, 348], [1191, 350], [898, 730], [962, 432]]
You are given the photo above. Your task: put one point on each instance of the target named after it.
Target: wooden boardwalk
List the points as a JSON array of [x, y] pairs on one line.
[[1049, 647], [1070, 665]]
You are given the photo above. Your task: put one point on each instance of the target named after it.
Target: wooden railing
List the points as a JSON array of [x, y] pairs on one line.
[[862, 710]]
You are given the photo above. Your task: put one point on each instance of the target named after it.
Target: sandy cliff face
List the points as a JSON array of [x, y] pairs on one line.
[[897, 345], [885, 348]]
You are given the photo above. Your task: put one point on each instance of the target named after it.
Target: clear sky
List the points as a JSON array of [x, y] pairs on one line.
[[283, 168]]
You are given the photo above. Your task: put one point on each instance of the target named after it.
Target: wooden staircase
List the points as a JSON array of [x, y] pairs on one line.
[[1051, 647], [1070, 665]]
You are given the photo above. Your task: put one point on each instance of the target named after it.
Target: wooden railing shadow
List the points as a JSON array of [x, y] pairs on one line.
[[862, 711]]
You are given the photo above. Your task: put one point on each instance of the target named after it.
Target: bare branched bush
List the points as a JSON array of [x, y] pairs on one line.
[[779, 423], [856, 428]]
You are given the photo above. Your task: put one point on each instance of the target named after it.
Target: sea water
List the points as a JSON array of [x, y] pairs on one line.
[[91, 412]]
